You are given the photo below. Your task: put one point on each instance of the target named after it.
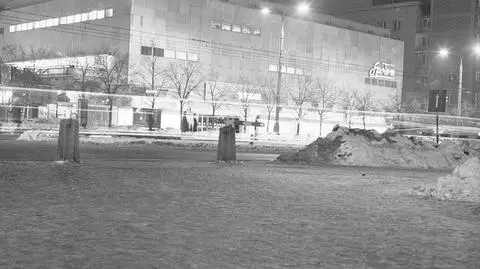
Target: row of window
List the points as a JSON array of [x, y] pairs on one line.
[[172, 54], [395, 24], [237, 28], [286, 70], [82, 17], [381, 82]]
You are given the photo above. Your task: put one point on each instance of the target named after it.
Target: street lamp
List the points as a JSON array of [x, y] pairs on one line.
[[445, 53], [302, 9]]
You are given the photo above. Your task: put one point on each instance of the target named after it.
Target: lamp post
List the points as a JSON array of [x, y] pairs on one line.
[[302, 8], [445, 53]]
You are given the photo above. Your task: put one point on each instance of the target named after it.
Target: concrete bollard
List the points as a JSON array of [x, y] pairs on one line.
[[68, 141], [226, 144]]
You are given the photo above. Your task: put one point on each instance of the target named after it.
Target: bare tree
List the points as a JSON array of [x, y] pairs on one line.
[[348, 102], [323, 98], [269, 96], [7, 53], [112, 74], [364, 102], [301, 96], [185, 78], [247, 94], [154, 80], [215, 93]]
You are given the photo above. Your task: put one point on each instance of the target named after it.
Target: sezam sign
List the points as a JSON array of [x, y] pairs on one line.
[[382, 71]]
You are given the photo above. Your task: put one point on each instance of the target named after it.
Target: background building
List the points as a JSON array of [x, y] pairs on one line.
[[233, 40]]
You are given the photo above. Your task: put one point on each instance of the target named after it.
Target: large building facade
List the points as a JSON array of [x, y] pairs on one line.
[[230, 39]]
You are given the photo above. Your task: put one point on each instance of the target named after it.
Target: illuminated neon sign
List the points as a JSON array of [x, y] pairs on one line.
[[382, 71]]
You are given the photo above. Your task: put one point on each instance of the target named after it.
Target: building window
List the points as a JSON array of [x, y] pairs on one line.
[[170, 54], [424, 42], [141, 20], [181, 55], [246, 30], [426, 23], [49, 22], [12, 29], [70, 19], [30, 25], [272, 68], [92, 15], [422, 58], [55, 22], [216, 24], [396, 25], [290, 70], [382, 24], [299, 71], [368, 81], [193, 57], [226, 26], [77, 18], [374, 81], [158, 52], [146, 51], [63, 20], [393, 84], [100, 14], [257, 32], [236, 28], [109, 13], [84, 17], [477, 76]]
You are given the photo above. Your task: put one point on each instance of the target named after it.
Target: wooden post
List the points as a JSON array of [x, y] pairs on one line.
[[226, 144], [68, 141]]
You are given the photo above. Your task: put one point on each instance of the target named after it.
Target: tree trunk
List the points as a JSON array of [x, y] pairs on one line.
[[213, 111], [363, 119], [181, 116], [350, 120], [268, 120], [321, 123], [245, 122], [298, 128], [110, 112]]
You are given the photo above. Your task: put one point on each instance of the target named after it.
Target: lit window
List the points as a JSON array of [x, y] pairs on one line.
[[257, 31], [12, 28], [215, 24], [43, 24], [70, 19], [236, 28], [49, 23], [226, 26], [100, 14], [24, 27], [30, 26], [85, 16], [92, 15], [63, 20], [299, 72], [272, 68], [290, 70], [158, 52], [284, 69], [18, 27], [55, 21], [477, 76], [193, 57], [246, 30], [146, 50], [181, 55], [109, 13], [170, 54], [77, 18], [396, 25]]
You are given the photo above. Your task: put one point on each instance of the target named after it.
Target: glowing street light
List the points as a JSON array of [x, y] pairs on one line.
[[444, 52], [265, 11], [476, 49], [303, 8]]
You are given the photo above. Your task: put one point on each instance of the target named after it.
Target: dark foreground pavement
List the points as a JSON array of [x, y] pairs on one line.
[[203, 215], [41, 151]]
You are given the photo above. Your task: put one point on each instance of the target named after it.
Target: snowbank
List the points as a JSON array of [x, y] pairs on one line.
[[369, 148], [463, 184], [38, 135]]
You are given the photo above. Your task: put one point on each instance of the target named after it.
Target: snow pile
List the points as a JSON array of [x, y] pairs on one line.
[[369, 148], [463, 184], [37, 135]]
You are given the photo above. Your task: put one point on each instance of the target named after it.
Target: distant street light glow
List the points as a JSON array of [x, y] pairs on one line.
[[265, 11], [303, 8], [444, 52], [476, 49]]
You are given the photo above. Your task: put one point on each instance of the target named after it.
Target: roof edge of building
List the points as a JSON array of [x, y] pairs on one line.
[[379, 7]]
